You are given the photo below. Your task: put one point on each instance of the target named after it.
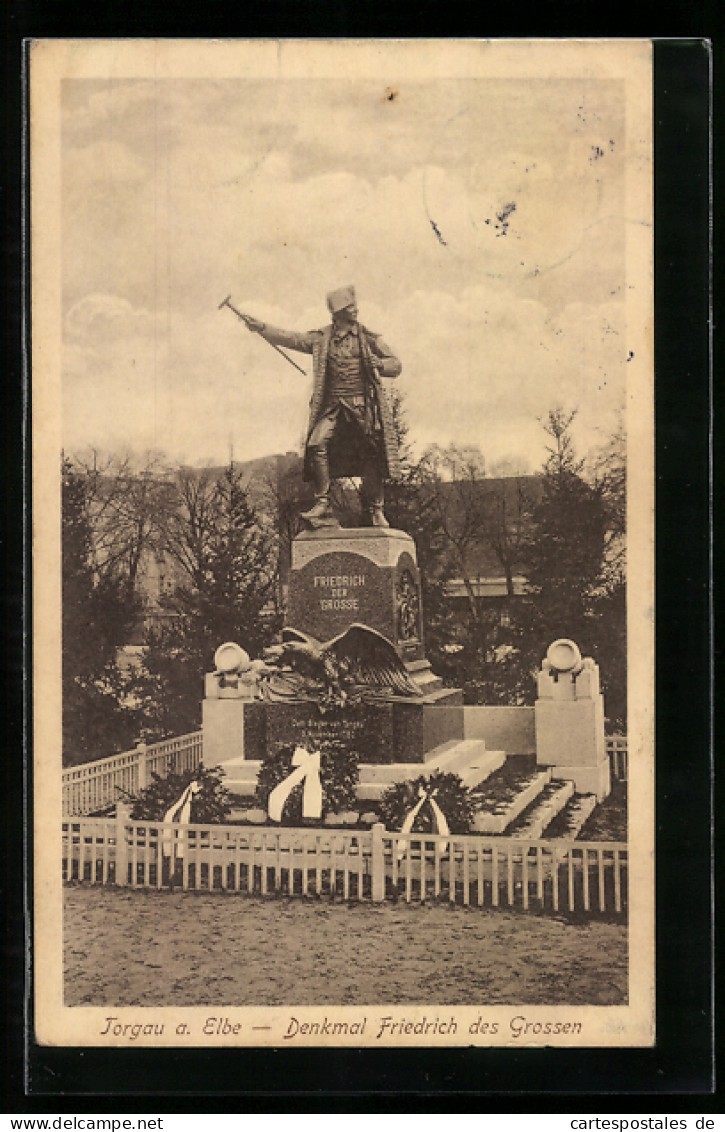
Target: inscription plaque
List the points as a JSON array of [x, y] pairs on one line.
[[366, 729]]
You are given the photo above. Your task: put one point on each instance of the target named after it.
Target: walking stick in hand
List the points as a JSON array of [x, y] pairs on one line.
[[245, 318]]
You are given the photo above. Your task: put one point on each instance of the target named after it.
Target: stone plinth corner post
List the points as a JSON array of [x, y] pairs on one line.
[[569, 719]]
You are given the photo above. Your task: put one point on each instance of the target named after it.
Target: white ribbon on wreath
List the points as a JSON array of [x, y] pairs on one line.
[[441, 824], [308, 771], [179, 812]]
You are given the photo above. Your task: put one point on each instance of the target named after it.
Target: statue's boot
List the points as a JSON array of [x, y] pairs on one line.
[[321, 509], [373, 494]]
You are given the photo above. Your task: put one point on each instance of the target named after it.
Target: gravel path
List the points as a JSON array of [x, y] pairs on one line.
[[148, 948]]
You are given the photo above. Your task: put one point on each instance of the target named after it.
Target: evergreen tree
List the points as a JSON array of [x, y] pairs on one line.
[[564, 553], [411, 506], [609, 605], [229, 562], [468, 517], [97, 616], [565, 562], [609, 614]]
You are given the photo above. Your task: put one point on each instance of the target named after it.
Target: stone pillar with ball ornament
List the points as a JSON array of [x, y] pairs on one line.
[[231, 715], [569, 719]]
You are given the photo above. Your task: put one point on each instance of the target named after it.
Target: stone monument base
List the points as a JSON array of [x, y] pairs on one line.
[[390, 731]]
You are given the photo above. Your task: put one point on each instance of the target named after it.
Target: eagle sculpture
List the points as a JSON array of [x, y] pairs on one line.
[[356, 665]]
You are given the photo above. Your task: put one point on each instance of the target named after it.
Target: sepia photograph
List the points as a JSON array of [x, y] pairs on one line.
[[343, 488]]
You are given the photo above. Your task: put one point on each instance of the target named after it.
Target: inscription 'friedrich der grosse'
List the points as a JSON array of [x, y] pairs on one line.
[[336, 587]]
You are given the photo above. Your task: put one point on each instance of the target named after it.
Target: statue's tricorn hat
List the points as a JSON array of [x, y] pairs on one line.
[[338, 300]]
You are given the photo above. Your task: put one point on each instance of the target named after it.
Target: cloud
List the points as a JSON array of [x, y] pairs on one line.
[[103, 317], [188, 388], [483, 371], [486, 243]]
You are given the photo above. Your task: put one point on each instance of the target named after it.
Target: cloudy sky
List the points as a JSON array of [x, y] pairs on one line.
[[481, 220]]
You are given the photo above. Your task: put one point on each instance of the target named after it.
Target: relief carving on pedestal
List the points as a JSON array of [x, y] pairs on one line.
[[408, 603]]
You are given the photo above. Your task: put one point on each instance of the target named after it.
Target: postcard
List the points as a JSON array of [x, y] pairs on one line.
[[343, 512]]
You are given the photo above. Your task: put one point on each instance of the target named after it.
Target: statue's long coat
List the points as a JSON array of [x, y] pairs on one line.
[[372, 347]]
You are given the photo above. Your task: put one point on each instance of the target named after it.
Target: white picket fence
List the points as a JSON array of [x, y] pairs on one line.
[[93, 786], [376, 864], [616, 746]]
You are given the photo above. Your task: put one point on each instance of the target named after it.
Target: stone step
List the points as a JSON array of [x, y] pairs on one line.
[[474, 763], [465, 757], [245, 771], [484, 766], [454, 754], [240, 775], [398, 772], [534, 820], [568, 822], [374, 779], [500, 815]]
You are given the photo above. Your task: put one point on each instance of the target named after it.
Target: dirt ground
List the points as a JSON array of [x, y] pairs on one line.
[[136, 947]]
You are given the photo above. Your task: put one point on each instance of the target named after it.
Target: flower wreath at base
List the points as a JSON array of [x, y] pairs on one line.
[[449, 793], [210, 802], [338, 776]]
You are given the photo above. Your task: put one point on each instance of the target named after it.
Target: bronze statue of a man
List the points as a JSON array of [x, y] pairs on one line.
[[351, 430]]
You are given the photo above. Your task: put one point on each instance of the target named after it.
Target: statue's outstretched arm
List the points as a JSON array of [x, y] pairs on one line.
[[293, 339]]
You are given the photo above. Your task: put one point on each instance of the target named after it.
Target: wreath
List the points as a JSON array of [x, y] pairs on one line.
[[339, 776], [211, 805], [452, 795]]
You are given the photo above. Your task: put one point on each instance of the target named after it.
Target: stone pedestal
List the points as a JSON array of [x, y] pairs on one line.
[[569, 720], [381, 733], [340, 577], [365, 575]]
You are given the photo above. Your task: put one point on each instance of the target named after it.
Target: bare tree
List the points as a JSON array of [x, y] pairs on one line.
[[505, 525], [453, 478], [284, 496], [126, 502], [190, 521]]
